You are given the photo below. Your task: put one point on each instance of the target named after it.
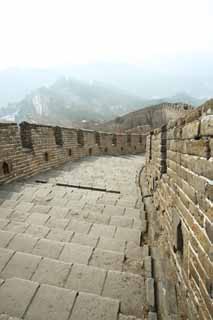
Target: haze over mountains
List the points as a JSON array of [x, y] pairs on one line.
[[100, 91]]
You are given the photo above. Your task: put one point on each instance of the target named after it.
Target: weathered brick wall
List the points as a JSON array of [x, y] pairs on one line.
[[179, 170], [31, 148]]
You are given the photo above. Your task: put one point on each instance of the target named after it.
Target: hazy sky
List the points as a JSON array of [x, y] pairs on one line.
[[44, 33]]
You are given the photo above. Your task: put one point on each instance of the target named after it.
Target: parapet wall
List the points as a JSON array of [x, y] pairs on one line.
[[31, 148], [179, 170]]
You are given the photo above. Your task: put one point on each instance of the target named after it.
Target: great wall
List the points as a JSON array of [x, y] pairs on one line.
[[115, 235]]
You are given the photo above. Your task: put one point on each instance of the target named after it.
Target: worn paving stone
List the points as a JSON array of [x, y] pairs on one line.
[[98, 230], [22, 265], [123, 317], [5, 238], [37, 230], [108, 260], [59, 213], [37, 218], [84, 239], [111, 244], [40, 209], [57, 223], [128, 234], [23, 242], [5, 212], [24, 206], [121, 221], [53, 304], [60, 235], [113, 211], [3, 223], [52, 272], [76, 253], [48, 248], [92, 307], [79, 226], [127, 288], [15, 226], [97, 218], [15, 296], [19, 215], [5, 255], [86, 278]]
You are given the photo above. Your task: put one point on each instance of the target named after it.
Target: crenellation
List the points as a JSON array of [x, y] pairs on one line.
[[32, 148]]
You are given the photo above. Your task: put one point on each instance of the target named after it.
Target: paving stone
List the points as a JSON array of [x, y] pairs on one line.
[[132, 213], [76, 253], [40, 209], [98, 230], [5, 255], [37, 218], [53, 304], [121, 221], [86, 278], [24, 206], [23, 243], [15, 296], [108, 260], [18, 227], [48, 248], [127, 288], [79, 227], [128, 234], [19, 215], [5, 212], [84, 239], [113, 211], [150, 293], [5, 237], [123, 317], [111, 244], [52, 272], [22, 265], [3, 223], [59, 213], [37, 230], [92, 307], [97, 218], [60, 235], [57, 223], [9, 204]]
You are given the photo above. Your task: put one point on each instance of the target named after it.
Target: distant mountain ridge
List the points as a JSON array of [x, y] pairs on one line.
[[72, 102]]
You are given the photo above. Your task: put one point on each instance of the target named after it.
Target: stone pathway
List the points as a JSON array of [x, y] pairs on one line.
[[73, 253]]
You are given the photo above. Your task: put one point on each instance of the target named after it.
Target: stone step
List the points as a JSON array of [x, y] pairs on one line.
[[80, 278], [31, 301], [109, 254], [41, 214], [14, 223]]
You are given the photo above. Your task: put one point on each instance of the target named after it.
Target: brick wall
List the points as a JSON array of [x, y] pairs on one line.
[[32, 148], [179, 171]]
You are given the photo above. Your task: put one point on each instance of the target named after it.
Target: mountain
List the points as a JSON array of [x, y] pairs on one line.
[[70, 102]]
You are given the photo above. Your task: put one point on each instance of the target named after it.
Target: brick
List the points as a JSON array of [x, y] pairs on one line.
[[206, 128]]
